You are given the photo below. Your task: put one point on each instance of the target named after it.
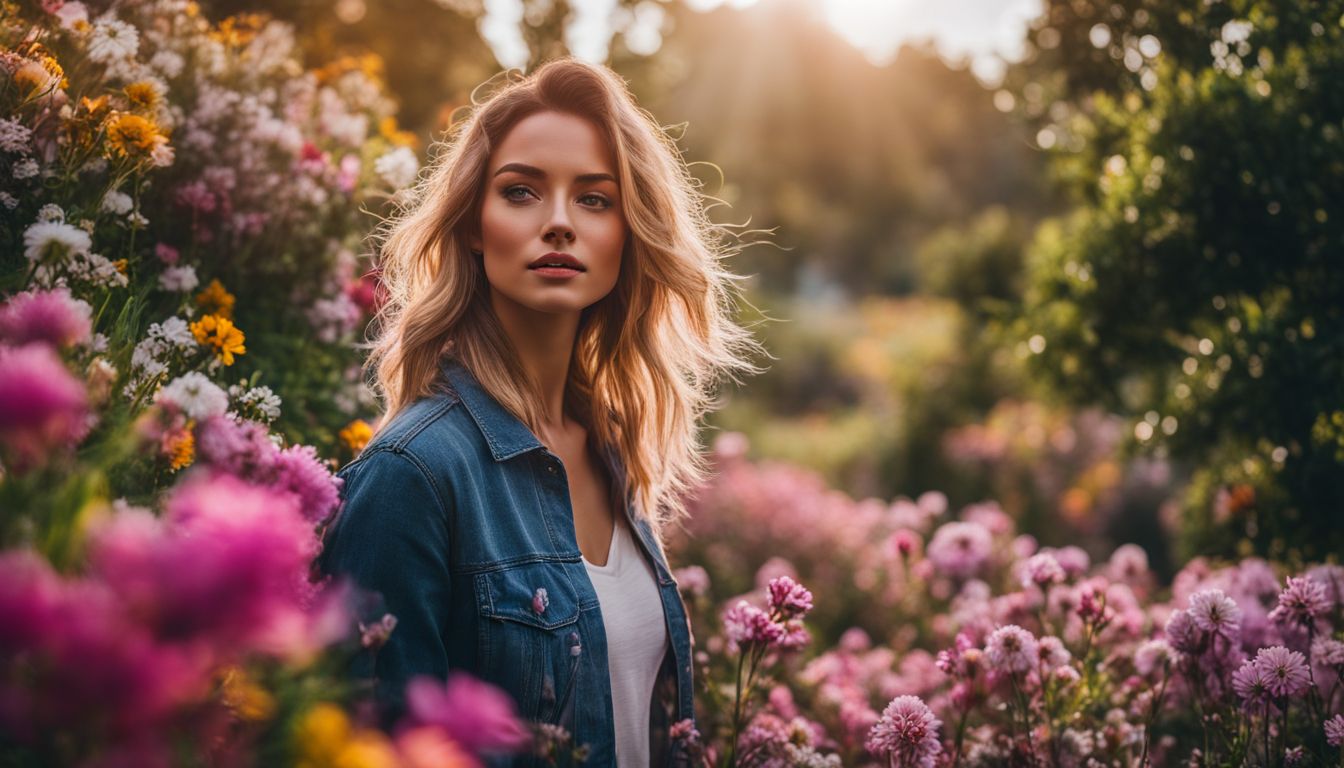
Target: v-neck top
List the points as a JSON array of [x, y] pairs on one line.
[[637, 640]]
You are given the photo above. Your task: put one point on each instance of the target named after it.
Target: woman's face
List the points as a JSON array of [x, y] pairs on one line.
[[552, 227]]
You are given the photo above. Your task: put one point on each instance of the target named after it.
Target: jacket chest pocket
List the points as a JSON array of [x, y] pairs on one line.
[[528, 640]]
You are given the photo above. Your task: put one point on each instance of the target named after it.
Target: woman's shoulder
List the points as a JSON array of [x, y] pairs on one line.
[[431, 431]]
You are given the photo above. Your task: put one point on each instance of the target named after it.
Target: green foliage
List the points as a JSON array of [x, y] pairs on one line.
[[1196, 288]]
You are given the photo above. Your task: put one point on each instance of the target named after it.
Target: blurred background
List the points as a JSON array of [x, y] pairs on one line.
[[1082, 258]]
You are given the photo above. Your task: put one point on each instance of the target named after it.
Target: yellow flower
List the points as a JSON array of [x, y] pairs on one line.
[[247, 699], [132, 135], [237, 31], [220, 335], [215, 300], [387, 127], [120, 264], [143, 95], [321, 734], [183, 447], [356, 435], [367, 749]]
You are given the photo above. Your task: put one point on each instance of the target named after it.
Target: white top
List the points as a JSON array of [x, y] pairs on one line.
[[632, 612]]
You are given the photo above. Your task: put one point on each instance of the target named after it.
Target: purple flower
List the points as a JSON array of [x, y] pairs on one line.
[[1285, 671], [1052, 652], [540, 601], [43, 409], [959, 549], [1216, 613], [1011, 649], [1152, 656], [1184, 634], [744, 624], [1301, 602], [235, 446], [692, 580], [1251, 684], [1042, 570], [1129, 562], [788, 598], [906, 735], [474, 713], [1327, 652], [52, 317], [1334, 731]]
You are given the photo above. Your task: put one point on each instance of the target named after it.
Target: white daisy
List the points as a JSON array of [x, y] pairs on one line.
[[397, 167], [57, 239], [14, 136], [117, 202], [196, 395], [112, 40], [179, 279], [50, 212]]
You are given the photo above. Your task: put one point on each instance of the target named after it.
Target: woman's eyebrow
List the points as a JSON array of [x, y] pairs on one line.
[[537, 173]]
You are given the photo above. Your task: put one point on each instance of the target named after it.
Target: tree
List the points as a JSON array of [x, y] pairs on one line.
[[1197, 284]]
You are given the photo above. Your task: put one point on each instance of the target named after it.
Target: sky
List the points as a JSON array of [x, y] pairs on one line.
[[983, 31]]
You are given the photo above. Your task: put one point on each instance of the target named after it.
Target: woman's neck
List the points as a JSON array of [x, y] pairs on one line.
[[544, 343]]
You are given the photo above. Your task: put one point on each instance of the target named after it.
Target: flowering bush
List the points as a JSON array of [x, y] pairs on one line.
[[156, 545], [980, 647]]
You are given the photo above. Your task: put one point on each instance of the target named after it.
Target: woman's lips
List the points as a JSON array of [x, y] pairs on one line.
[[556, 272]]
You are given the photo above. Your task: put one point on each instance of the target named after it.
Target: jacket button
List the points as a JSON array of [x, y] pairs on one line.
[[550, 468]]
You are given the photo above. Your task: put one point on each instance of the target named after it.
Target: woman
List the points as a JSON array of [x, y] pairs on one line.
[[557, 319]]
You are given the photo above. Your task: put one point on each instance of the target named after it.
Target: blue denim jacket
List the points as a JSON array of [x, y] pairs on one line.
[[457, 514]]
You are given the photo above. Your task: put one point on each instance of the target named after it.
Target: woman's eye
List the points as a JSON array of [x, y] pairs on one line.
[[597, 200], [510, 193]]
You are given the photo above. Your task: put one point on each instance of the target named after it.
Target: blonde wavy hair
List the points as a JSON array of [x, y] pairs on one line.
[[648, 357]]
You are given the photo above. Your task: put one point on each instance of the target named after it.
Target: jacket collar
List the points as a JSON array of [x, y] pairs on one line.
[[504, 433]]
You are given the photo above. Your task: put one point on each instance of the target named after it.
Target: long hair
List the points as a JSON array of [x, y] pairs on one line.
[[648, 357]]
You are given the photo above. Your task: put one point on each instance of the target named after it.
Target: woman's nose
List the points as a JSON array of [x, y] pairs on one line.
[[559, 229]]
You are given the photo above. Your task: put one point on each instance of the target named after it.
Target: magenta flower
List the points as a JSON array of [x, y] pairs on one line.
[[788, 598], [238, 447], [299, 471], [1301, 602], [744, 624], [226, 565], [959, 549], [1011, 649], [1334, 731], [43, 409], [52, 317], [474, 713], [1285, 671], [1216, 613], [1184, 634], [906, 734]]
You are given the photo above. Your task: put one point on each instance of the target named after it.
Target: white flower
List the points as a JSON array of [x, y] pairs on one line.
[[98, 270], [397, 167], [137, 220], [50, 212], [261, 398], [334, 317], [169, 63], [179, 279], [175, 331], [14, 136], [47, 238], [196, 395], [72, 12], [11, 202], [162, 155], [112, 40], [98, 342], [26, 168], [117, 202]]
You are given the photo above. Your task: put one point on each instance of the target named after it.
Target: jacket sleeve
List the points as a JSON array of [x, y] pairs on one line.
[[391, 537]]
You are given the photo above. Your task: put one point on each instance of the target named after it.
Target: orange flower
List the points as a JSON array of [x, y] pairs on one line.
[[215, 300], [356, 435], [182, 448], [142, 95], [219, 334], [132, 136]]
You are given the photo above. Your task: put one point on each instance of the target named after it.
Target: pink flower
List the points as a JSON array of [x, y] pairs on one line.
[[1302, 602], [788, 598], [1042, 570], [52, 317], [1285, 671], [1152, 656], [300, 471], [1184, 634], [1011, 649], [906, 734], [1251, 684], [744, 624], [1334, 731], [1216, 613], [540, 601], [235, 446], [1052, 652], [693, 580], [166, 253], [959, 549], [475, 714], [43, 409]]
